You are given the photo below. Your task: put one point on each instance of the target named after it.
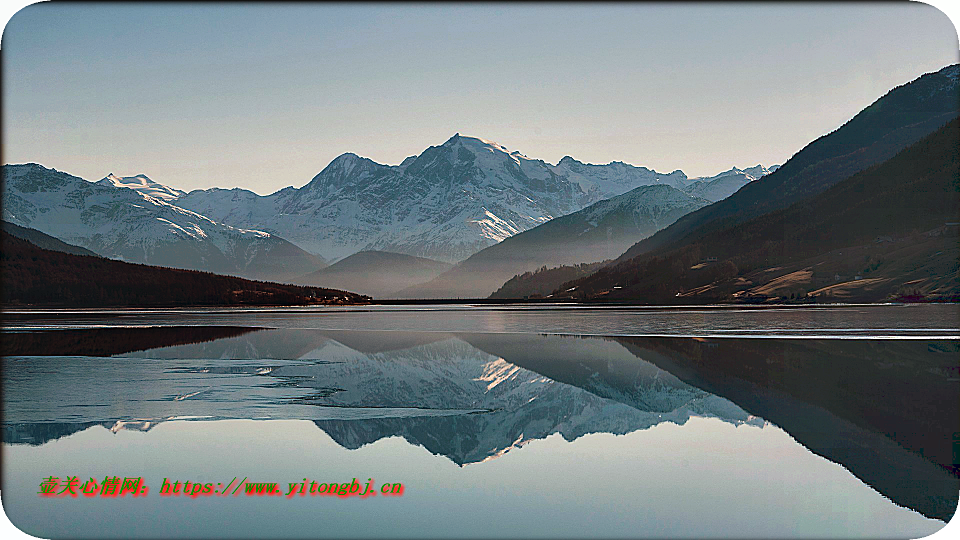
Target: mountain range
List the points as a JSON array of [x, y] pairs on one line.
[[446, 204], [132, 225]]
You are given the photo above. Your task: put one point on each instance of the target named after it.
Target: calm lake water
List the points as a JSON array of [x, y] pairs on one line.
[[498, 421]]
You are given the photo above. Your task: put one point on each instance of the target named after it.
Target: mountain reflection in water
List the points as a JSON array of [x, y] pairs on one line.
[[886, 410]]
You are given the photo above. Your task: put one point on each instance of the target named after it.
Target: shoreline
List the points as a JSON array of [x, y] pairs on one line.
[[18, 311]]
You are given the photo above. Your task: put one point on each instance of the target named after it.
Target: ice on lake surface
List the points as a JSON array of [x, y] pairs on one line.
[[499, 421]]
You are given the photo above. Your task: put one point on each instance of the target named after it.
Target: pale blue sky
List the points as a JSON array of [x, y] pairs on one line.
[[264, 96]]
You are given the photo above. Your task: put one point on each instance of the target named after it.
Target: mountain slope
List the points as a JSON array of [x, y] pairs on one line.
[[446, 204], [597, 232], [35, 276], [126, 224], [44, 241], [898, 119], [375, 273], [889, 230]]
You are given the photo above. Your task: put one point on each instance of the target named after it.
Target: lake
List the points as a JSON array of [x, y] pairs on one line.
[[498, 421]]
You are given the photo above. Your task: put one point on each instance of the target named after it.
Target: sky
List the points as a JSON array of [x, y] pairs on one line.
[[263, 96]]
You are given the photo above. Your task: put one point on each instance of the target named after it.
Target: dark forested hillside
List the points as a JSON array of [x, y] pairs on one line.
[[110, 341], [544, 281], [43, 240], [40, 277], [889, 231]]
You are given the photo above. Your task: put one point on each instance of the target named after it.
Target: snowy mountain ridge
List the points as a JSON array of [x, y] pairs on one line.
[[131, 225], [446, 203]]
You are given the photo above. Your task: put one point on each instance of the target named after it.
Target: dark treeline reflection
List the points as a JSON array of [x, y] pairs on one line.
[[110, 341], [886, 410]]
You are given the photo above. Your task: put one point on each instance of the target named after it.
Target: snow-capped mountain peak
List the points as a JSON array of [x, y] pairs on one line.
[[345, 164], [347, 169], [759, 171], [142, 184], [344, 161], [475, 143]]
